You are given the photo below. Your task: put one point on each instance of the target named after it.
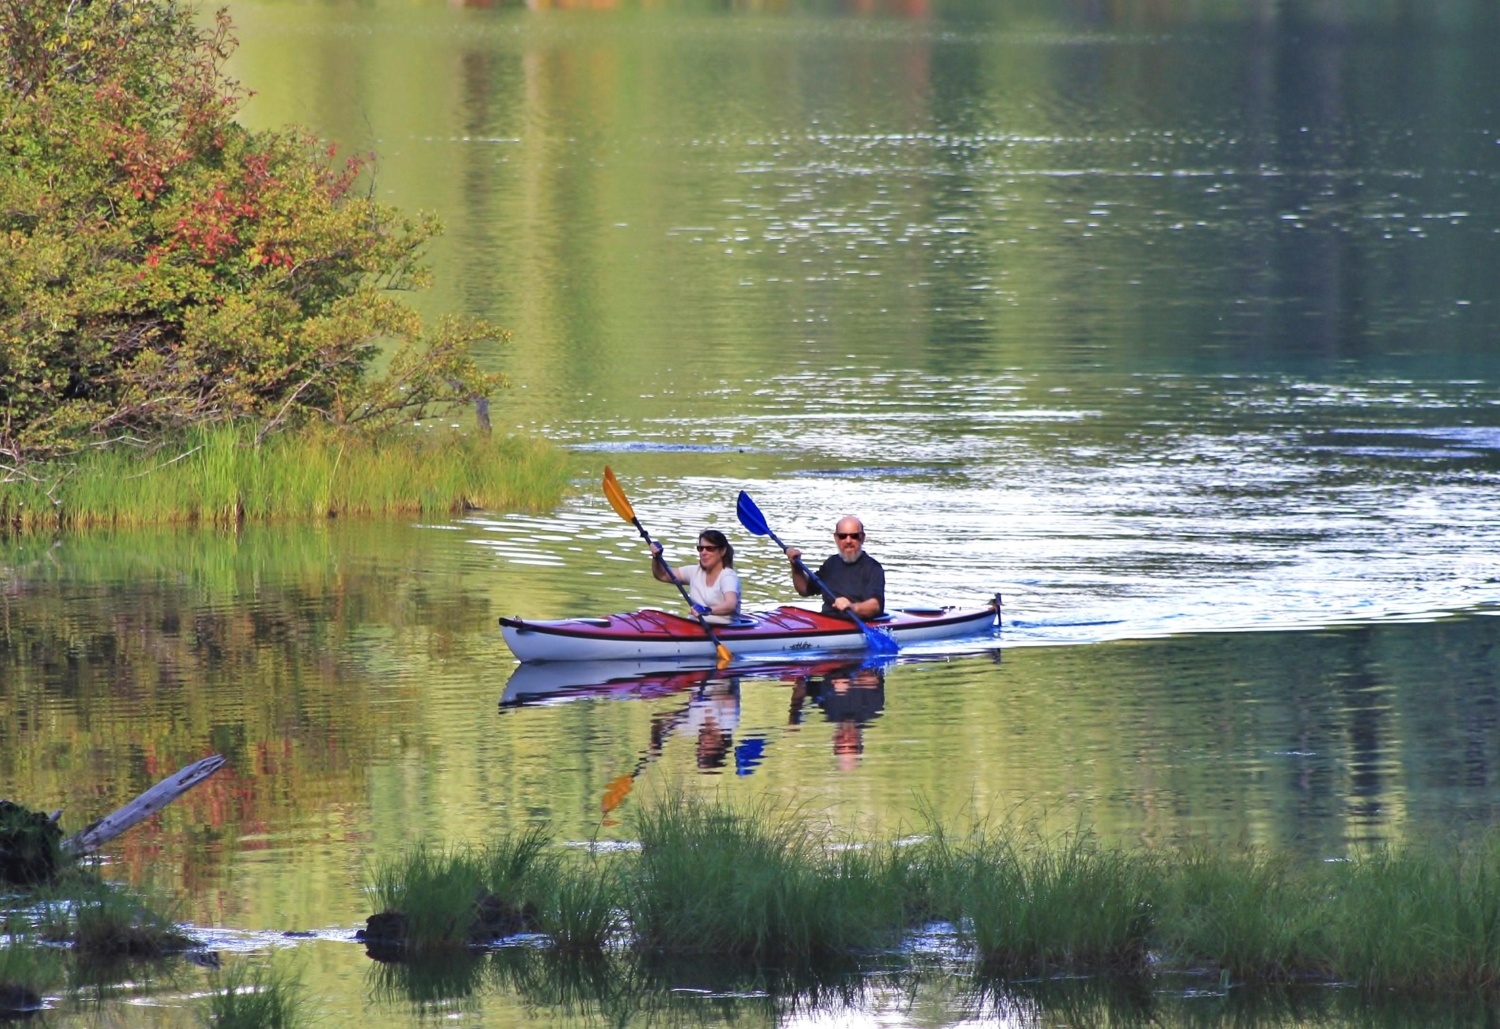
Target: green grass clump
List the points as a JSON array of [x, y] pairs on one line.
[[223, 476], [104, 921], [711, 879], [1026, 901], [254, 997], [1256, 916], [714, 881], [1418, 919], [454, 896]]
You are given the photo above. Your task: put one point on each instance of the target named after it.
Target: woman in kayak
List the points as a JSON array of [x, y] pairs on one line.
[[713, 584]]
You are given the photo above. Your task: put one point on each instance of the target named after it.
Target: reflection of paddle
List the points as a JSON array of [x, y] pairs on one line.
[[621, 504], [753, 520], [619, 787]]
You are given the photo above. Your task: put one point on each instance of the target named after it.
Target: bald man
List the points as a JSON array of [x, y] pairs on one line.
[[855, 578]]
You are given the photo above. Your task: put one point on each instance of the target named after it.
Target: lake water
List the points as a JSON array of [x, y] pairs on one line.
[[1175, 324]]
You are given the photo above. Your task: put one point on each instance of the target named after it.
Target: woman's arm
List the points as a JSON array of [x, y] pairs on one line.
[[659, 565]]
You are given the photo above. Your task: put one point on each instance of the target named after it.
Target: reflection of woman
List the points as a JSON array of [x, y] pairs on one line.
[[713, 584], [713, 716]]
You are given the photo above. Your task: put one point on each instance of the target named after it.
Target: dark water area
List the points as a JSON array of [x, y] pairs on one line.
[[1176, 324]]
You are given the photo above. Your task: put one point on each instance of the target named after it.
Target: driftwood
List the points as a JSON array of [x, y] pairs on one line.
[[95, 835]]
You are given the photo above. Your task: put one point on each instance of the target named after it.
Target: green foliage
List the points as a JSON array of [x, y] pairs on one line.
[[258, 996], [162, 267]]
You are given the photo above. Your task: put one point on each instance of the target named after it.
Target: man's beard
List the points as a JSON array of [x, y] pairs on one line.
[[850, 560]]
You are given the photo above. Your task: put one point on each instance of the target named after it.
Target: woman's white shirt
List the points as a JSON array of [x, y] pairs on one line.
[[710, 596]]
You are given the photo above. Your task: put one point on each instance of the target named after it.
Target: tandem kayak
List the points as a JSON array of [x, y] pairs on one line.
[[649, 634]]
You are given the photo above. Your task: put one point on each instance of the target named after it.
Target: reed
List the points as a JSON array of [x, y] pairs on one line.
[[105, 921], [444, 897], [1256, 916], [223, 476], [1419, 919], [259, 996], [1033, 902], [764, 884], [711, 879]]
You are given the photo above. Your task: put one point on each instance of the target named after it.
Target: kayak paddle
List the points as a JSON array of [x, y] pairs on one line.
[[617, 500], [755, 522]]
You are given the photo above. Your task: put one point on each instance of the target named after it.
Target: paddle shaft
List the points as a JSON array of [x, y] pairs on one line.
[[718, 645]]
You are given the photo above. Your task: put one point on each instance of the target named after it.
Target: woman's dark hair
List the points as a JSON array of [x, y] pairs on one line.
[[715, 538]]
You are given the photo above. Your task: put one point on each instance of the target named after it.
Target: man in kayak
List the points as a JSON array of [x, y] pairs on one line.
[[855, 578], [713, 585]]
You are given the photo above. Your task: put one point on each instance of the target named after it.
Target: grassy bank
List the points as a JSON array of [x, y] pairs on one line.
[[711, 880], [222, 476]]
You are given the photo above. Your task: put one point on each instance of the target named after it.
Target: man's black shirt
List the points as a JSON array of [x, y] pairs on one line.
[[860, 581]]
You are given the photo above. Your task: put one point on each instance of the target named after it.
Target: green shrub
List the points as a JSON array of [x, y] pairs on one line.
[[162, 267]]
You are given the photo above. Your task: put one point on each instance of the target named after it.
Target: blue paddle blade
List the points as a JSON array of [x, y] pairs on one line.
[[879, 644], [750, 516], [748, 754]]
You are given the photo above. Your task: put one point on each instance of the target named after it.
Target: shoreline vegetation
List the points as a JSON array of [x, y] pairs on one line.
[[709, 880], [221, 476]]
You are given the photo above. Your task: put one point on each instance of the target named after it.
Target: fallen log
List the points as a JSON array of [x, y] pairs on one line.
[[96, 834]]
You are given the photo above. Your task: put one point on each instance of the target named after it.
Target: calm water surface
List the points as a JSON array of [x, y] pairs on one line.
[[1177, 328]]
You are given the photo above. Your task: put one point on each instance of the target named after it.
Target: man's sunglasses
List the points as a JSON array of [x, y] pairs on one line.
[[849, 535]]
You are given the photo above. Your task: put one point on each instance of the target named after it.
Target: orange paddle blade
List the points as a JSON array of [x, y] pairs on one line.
[[616, 496], [616, 792]]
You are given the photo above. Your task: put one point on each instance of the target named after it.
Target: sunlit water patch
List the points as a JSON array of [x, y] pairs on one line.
[[1214, 504]]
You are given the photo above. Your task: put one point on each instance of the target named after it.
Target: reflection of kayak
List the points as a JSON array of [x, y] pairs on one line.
[[538, 682], [659, 634]]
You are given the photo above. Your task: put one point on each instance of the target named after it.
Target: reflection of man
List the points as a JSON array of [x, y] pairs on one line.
[[855, 578], [851, 697]]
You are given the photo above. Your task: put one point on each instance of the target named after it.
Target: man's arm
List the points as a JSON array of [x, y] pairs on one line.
[[800, 582]]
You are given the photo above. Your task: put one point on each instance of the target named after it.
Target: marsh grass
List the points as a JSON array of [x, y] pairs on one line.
[[1419, 919], [222, 476], [1027, 900], [104, 921], [258, 996], [773, 887], [1254, 915], [462, 894], [713, 879]]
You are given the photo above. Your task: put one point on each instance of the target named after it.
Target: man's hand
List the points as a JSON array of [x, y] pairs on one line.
[[842, 603], [792, 554]]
